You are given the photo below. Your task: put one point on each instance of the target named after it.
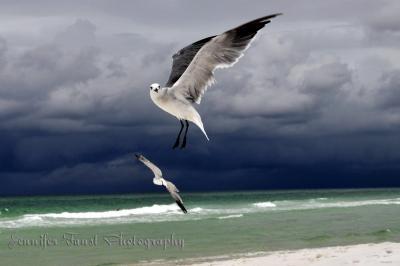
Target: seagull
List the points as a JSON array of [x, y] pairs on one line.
[[193, 72], [160, 181]]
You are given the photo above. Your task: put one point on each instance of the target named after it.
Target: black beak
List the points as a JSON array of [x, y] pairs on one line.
[[137, 155], [156, 90]]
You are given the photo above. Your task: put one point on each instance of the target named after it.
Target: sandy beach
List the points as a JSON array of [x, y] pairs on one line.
[[387, 253]]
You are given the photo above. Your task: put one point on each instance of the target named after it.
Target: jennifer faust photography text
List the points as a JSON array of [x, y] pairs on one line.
[[71, 239]]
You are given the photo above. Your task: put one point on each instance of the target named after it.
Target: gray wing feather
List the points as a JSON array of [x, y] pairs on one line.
[[173, 190], [157, 172], [174, 194], [224, 50], [182, 59]]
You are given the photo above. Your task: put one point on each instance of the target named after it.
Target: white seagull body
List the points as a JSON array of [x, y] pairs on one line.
[[193, 72], [160, 181]]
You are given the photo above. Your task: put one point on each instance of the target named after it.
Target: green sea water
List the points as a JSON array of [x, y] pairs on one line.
[[120, 229]]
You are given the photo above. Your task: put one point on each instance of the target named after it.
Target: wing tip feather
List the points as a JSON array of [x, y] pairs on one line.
[[260, 21], [180, 204]]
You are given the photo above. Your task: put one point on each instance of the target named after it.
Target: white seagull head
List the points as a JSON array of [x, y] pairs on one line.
[[155, 87]]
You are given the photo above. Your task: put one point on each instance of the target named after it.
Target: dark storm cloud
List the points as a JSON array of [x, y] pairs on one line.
[[312, 104]]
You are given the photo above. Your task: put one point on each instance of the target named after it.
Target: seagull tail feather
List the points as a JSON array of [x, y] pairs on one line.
[[199, 123], [204, 132]]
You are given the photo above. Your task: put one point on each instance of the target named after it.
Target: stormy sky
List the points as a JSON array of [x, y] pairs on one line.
[[314, 103]]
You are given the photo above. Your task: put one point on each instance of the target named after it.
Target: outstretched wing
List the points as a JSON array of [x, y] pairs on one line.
[[157, 172], [174, 193], [221, 51], [182, 59]]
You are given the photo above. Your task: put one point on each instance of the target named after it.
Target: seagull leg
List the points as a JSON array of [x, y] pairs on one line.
[[179, 136], [184, 136]]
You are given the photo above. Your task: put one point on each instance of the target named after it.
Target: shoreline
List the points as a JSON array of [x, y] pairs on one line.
[[371, 254]]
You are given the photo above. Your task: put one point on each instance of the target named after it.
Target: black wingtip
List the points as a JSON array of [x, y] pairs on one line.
[[271, 16], [138, 155], [266, 19], [277, 14], [181, 206], [247, 30]]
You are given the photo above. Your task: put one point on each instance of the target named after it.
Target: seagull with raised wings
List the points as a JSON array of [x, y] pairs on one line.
[[160, 181], [193, 71]]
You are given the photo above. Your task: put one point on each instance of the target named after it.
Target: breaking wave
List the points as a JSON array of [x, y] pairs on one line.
[[141, 214], [155, 209], [171, 212], [230, 216], [266, 204]]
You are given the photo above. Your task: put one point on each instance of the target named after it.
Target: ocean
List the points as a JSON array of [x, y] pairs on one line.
[[120, 229]]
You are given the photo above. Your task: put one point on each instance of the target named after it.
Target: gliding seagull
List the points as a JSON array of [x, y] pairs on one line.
[[160, 181], [193, 72]]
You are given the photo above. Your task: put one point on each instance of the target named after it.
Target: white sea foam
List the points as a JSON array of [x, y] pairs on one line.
[[230, 216], [77, 218], [313, 204], [197, 209], [345, 204], [155, 209], [266, 204]]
